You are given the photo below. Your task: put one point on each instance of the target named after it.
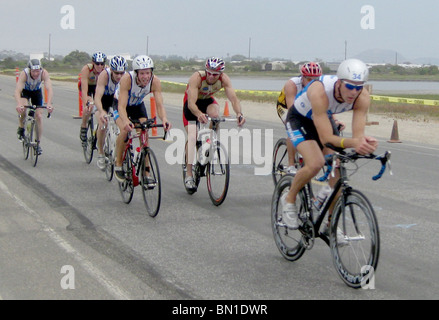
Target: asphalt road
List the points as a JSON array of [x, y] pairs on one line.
[[66, 234]]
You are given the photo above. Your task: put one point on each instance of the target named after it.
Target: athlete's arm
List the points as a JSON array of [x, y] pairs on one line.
[[156, 89]]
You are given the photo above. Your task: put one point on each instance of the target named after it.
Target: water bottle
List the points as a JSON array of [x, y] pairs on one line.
[[322, 195], [136, 155], [204, 150]]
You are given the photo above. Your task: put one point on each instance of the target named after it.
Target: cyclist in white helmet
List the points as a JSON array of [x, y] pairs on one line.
[[103, 99], [87, 87], [309, 125], [199, 100], [28, 87], [128, 101]]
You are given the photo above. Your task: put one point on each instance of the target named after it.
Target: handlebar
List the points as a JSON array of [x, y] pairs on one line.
[[148, 124], [34, 107], [352, 156]]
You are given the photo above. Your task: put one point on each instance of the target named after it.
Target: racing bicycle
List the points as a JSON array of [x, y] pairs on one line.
[[140, 167], [89, 145], [211, 161], [353, 236], [31, 139], [110, 144]]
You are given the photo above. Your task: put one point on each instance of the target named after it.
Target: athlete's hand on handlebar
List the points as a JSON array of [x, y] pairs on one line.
[[19, 108], [202, 118], [366, 145], [241, 119]]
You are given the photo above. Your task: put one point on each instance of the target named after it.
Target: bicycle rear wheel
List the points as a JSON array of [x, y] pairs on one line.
[[126, 188], [218, 174], [355, 259], [280, 160], [90, 143], [109, 160], [150, 182], [35, 143], [289, 242]]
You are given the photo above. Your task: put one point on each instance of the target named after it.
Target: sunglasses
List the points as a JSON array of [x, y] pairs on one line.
[[351, 86], [100, 63], [119, 73], [212, 73]]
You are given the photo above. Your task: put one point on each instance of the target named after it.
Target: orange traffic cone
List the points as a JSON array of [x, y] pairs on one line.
[[226, 110], [394, 138], [17, 74]]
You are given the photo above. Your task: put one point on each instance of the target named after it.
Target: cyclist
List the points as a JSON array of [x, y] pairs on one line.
[[198, 100], [28, 87], [103, 99], [87, 87], [309, 125], [308, 71], [128, 102]]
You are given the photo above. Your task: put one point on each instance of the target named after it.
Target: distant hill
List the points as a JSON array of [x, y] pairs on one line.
[[391, 56], [381, 56]]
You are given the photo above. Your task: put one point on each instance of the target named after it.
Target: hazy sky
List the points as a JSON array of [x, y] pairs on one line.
[[296, 30]]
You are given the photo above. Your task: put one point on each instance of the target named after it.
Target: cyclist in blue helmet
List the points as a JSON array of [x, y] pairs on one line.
[[103, 99]]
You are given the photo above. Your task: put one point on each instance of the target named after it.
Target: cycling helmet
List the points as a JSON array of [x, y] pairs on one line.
[[311, 69], [118, 63], [34, 64], [143, 62], [99, 57], [354, 70], [215, 64]]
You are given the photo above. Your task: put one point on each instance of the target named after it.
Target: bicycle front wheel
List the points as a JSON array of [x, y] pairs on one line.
[[26, 140], [150, 182], [35, 143], [126, 188], [109, 160], [218, 174], [289, 242], [89, 144], [280, 160], [355, 250]]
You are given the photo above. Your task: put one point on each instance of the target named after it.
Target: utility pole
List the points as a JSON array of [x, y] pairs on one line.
[[49, 45], [249, 47]]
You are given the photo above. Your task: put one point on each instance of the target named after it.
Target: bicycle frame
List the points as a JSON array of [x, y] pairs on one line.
[[341, 184]]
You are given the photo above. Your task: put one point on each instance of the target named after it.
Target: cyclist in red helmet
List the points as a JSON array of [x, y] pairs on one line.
[[199, 100], [308, 72]]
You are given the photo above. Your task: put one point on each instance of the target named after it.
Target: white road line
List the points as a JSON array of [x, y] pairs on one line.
[[112, 288]]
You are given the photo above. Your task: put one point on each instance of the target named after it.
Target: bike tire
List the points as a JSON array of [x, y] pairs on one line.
[[357, 260], [289, 242], [25, 142], [280, 160], [35, 143], [90, 143], [126, 188], [218, 174], [195, 172], [151, 194], [109, 156]]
